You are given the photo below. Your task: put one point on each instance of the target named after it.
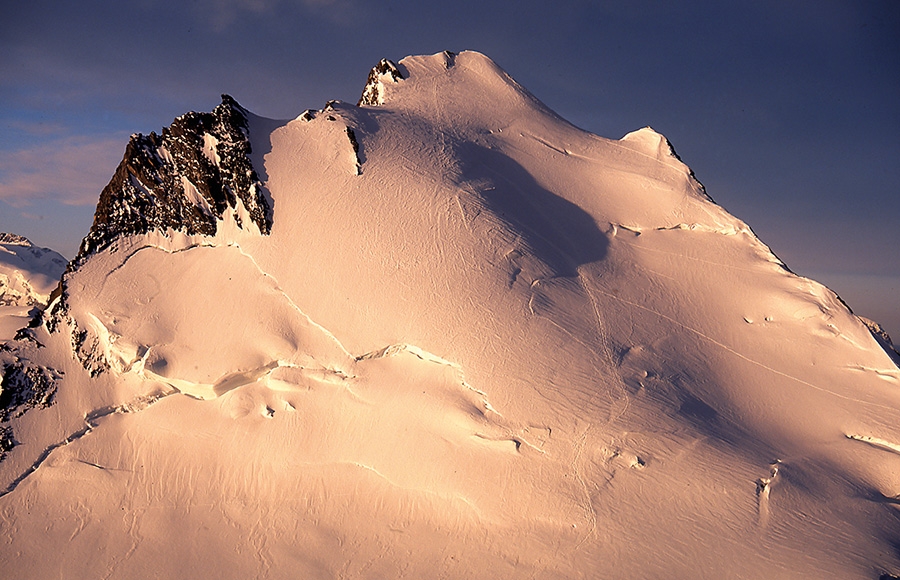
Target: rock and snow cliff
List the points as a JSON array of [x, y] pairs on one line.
[[185, 180], [443, 333]]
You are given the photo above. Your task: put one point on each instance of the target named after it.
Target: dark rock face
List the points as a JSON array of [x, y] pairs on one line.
[[87, 350], [13, 239], [185, 179], [372, 94], [7, 442], [24, 386]]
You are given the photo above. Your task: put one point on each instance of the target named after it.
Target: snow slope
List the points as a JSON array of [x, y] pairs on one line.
[[477, 342], [27, 277]]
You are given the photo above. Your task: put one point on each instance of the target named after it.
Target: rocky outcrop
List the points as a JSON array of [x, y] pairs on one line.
[[185, 180], [384, 71], [14, 239], [23, 386]]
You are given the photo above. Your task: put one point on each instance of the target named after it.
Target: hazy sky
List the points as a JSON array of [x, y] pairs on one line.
[[788, 112]]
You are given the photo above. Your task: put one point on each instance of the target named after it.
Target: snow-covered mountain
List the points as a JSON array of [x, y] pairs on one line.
[[28, 275], [442, 333]]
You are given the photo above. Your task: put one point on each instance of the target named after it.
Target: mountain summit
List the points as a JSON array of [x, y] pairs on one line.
[[441, 333]]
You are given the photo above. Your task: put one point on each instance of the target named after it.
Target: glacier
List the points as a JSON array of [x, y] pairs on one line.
[[439, 333]]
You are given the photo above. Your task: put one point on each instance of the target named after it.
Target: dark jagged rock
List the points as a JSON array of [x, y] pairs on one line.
[[87, 350], [449, 58], [58, 308], [353, 142], [373, 94], [25, 386], [351, 135], [7, 441], [185, 179], [14, 239]]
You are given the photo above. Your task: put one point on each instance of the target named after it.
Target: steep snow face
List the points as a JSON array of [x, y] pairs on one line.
[[28, 275], [476, 342]]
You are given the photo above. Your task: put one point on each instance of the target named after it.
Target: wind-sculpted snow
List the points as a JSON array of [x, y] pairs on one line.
[[477, 342]]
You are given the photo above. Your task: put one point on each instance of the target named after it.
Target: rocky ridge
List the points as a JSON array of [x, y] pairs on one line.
[[186, 179]]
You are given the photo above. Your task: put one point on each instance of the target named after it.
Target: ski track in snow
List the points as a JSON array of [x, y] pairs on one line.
[[876, 442], [608, 355], [683, 256], [742, 356], [588, 502]]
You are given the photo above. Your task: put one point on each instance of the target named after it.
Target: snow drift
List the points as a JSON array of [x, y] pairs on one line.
[[442, 333]]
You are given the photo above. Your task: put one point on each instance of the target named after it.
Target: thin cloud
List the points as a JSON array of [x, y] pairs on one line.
[[39, 128], [221, 14], [71, 170]]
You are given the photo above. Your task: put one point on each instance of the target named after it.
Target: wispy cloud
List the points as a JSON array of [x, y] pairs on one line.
[[223, 13], [37, 128], [70, 170]]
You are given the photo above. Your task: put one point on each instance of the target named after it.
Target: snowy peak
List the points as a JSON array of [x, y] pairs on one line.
[[383, 72], [27, 273], [187, 180], [427, 84], [474, 341], [14, 240]]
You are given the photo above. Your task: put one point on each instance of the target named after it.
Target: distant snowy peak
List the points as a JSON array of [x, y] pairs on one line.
[[28, 274], [14, 240], [187, 179]]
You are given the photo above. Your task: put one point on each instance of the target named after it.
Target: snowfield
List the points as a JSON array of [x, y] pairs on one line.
[[478, 342]]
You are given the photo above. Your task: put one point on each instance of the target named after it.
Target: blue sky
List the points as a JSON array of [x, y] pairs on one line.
[[789, 113]]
